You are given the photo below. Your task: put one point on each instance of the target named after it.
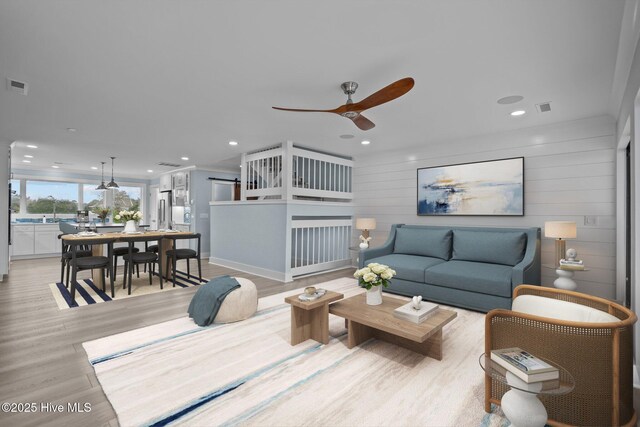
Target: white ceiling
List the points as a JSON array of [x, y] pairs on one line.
[[154, 80]]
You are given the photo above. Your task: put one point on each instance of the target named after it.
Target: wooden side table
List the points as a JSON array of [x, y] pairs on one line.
[[310, 319]]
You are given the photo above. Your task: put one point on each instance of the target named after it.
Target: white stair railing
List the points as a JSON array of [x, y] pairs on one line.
[[319, 245]]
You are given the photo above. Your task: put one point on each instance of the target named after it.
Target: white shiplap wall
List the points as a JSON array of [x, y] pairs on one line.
[[569, 173]]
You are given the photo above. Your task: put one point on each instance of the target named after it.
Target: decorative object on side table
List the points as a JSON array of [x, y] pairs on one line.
[[131, 219], [520, 404], [560, 230], [373, 277], [365, 224]]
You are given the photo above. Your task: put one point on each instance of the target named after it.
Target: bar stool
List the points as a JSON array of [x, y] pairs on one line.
[[173, 255], [136, 258], [91, 262]]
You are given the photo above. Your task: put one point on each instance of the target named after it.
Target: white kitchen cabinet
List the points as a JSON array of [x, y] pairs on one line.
[[46, 239], [23, 240], [165, 182]]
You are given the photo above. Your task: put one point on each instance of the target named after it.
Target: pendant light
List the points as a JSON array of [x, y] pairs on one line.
[[102, 187], [112, 184]]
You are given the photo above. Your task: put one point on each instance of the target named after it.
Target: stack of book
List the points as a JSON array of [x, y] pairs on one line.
[[575, 264], [407, 312], [525, 366]]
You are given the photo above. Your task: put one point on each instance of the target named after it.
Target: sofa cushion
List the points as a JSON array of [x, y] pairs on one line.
[[491, 279], [560, 310], [431, 242], [496, 247], [407, 267]]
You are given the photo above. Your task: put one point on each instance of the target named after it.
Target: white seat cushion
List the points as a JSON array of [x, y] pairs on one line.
[[560, 310]]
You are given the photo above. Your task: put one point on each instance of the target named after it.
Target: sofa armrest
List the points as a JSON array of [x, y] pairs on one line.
[[528, 270], [385, 249]]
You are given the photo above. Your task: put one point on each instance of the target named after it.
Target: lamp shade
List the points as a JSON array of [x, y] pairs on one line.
[[365, 223], [560, 229]]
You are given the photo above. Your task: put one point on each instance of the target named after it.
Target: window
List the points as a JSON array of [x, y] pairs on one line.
[[92, 198], [48, 197], [33, 198], [15, 195], [127, 198]]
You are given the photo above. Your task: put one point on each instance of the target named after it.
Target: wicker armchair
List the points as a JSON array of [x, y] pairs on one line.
[[598, 355]]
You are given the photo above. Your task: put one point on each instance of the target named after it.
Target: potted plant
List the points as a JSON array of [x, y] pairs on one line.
[[102, 214], [131, 219], [373, 277]]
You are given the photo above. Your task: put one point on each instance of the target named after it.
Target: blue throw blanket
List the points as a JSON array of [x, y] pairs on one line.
[[206, 302]]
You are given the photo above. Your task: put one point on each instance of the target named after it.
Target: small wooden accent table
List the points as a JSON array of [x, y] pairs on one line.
[[377, 321], [310, 319]]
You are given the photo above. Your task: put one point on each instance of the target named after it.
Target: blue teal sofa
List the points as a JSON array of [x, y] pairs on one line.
[[470, 267]]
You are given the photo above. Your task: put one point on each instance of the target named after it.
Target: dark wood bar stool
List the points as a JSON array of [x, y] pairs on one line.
[[90, 262], [173, 255], [148, 258]]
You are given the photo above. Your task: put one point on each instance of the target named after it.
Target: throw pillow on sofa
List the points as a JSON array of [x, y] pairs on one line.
[[422, 241], [505, 248]]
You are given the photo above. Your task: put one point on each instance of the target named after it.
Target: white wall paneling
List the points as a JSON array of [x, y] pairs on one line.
[[569, 173]]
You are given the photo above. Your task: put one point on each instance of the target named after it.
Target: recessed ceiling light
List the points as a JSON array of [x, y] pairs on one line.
[[149, 170], [365, 142], [346, 136], [55, 166], [184, 158], [32, 146], [28, 156], [510, 99], [518, 112], [71, 129], [240, 165], [233, 143], [26, 161], [95, 168]]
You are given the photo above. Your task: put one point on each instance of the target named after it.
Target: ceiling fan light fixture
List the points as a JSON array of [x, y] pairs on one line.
[[112, 183]]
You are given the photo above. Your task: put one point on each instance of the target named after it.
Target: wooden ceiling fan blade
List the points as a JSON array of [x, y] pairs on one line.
[[362, 122], [386, 94], [303, 110]]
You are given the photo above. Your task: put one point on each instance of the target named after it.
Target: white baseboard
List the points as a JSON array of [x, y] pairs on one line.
[[246, 268]]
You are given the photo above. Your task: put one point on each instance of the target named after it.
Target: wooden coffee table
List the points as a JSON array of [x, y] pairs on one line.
[[377, 321], [310, 319]]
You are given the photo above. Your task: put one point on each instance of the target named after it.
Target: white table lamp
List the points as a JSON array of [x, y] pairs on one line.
[[365, 224], [560, 230]]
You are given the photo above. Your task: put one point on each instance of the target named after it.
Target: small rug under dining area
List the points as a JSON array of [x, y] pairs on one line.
[[247, 373], [90, 292]]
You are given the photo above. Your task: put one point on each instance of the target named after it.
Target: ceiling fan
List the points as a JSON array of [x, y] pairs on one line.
[[352, 110]]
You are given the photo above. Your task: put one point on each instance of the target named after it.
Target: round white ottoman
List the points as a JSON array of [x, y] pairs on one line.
[[240, 304]]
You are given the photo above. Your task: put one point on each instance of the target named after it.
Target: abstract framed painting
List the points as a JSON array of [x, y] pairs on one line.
[[492, 187]]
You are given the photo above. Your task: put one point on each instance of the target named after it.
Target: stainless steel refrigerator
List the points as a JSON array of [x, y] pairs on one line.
[[164, 210]]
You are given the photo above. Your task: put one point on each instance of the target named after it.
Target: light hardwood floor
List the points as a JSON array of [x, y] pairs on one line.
[[41, 354]]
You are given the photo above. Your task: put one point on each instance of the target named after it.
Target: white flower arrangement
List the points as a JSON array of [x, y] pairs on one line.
[[128, 216], [374, 274]]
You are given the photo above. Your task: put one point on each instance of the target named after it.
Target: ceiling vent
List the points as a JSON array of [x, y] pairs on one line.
[[17, 86], [171, 165], [544, 107]]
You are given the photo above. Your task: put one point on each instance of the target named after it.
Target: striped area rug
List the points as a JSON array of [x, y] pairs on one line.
[[89, 292], [247, 373]]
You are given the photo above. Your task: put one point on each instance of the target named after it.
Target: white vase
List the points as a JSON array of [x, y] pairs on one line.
[[364, 245], [374, 295], [130, 226]]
